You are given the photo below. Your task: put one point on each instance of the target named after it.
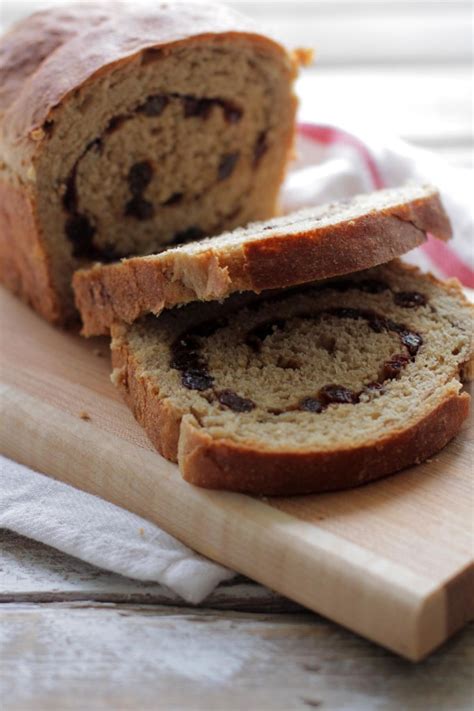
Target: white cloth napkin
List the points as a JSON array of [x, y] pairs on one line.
[[333, 163], [100, 533]]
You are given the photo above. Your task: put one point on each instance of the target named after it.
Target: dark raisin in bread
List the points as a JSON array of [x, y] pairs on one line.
[[124, 130], [315, 388], [315, 243]]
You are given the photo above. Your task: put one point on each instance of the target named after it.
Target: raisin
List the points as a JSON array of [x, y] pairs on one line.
[[197, 380], [154, 105], [140, 208], [185, 355], [227, 165], [197, 107], [395, 327], [108, 253], [338, 394], [208, 328], [311, 404], [413, 341], [186, 360], [95, 145], [378, 323], [409, 299], [345, 312], [232, 113], [260, 148], [80, 230], [174, 199], [393, 367], [70, 196], [48, 126], [115, 123], [341, 285], [234, 402], [372, 286], [189, 235], [139, 176]]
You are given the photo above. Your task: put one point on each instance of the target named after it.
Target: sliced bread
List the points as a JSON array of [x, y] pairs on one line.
[[316, 243], [320, 387]]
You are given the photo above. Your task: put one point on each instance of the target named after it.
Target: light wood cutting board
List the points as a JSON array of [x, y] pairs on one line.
[[392, 561]]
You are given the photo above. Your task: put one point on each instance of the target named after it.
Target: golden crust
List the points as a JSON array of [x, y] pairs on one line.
[[158, 417], [24, 265], [225, 465], [125, 291]]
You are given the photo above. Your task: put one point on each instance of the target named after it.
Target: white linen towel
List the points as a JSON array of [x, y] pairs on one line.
[[100, 533]]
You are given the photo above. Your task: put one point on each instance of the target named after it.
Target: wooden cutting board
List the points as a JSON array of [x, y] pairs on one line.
[[392, 560]]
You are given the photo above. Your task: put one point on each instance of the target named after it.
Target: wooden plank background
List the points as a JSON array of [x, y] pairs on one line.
[[74, 637]]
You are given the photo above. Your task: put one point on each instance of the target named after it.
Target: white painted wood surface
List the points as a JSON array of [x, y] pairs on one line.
[[33, 572], [90, 656], [73, 637]]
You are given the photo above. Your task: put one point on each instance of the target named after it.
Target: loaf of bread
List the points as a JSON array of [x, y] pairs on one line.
[[315, 243], [320, 387], [122, 132]]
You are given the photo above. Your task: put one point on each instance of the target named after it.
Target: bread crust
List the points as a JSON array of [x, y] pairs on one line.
[[349, 247], [45, 59], [161, 421], [225, 465], [24, 265], [126, 291]]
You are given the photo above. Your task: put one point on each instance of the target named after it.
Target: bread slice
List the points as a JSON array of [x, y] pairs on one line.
[[126, 127], [315, 243], [303, 390]]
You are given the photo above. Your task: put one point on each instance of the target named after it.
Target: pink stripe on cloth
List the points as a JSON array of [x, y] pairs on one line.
[[333, 134], [443, 257], [447, 261]]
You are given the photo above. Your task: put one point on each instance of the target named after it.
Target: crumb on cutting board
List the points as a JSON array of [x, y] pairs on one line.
[[84, 415]]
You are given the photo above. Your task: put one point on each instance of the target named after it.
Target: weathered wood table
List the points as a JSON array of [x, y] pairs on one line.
[[73, 637]]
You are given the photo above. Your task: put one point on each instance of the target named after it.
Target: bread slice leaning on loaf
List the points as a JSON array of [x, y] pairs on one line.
[[315, 243], [304, 390], [125, 129]]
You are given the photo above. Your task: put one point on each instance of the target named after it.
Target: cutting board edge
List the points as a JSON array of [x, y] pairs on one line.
[[459, 591]]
